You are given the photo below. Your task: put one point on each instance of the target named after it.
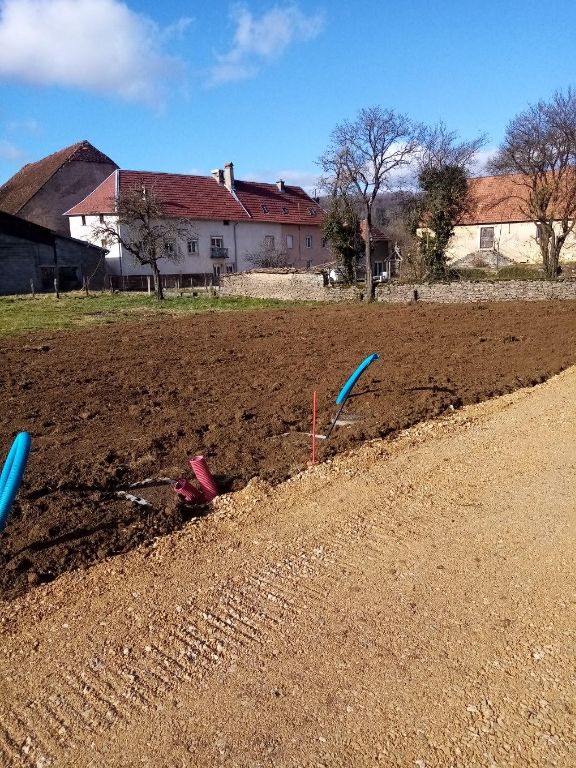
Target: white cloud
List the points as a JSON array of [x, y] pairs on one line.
[[482, 158], [262, 39], [11, 152], [95, 45], [28, 126]]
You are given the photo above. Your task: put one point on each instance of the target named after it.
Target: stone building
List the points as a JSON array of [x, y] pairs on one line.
[[41, 192]]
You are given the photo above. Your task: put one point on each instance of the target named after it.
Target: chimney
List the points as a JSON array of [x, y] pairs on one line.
[[229, 176], [218, 174], [280, 185]]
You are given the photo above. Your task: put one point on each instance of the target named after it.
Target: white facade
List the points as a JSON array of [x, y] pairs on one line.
[[516, 241], [303, 245]]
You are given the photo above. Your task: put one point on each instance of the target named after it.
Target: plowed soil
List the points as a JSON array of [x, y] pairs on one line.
[[117, 405]]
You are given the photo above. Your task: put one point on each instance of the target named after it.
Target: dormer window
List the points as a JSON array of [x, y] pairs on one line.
[[264, 208], [284, 210]]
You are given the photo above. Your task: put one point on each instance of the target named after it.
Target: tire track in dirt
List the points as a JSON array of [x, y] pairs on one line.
[[88, 701], [247, 614]]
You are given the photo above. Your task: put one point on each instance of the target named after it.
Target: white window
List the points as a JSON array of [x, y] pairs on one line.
[[193, 246], [217, 242], [486, 238], [324, 241], [289, 241], [229, 268], [170, 248], [269, 242], [308, 241]]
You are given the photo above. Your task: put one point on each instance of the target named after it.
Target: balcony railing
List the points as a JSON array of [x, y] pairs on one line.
[[218, 253]]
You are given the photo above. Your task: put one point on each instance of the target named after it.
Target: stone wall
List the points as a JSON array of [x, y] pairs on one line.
[[463, 292], [306, 286], [288, 285]]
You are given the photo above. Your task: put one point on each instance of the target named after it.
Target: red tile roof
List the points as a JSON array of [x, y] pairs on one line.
[[376, 235], [194, 197], [496, 199], [22, 187], [265, 202], [202, 197], [101, 200]]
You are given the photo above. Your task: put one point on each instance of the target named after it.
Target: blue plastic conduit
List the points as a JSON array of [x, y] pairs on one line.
[[12, 472], [347, 388]]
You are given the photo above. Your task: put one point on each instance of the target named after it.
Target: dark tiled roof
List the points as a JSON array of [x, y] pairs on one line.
[[22, 187], [202, 197], [27, 230]]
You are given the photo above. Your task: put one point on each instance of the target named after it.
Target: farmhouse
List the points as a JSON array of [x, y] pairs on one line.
[[40, 192], [234, 223], [498, 227], [34, 255]]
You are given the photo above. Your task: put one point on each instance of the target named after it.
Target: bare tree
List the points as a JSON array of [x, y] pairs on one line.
[[442, 149], [362, 156], [142, 227], [539, 148], [268, 255]]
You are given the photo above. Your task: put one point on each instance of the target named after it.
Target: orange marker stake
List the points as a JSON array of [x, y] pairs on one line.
[[314, 428]]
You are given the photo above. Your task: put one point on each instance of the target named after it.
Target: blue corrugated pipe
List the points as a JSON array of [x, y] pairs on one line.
[[347, 388], [345, 391], [12, 472]]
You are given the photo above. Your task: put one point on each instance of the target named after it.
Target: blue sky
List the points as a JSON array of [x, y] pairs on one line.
[[187, 86]]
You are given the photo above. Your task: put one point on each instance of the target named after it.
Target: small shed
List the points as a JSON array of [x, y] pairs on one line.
[[31, 254]]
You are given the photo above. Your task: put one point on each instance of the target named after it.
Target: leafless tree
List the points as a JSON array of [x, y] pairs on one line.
[[362, 156], [539, 148], [268, 255], [142, 227], [442, 148]]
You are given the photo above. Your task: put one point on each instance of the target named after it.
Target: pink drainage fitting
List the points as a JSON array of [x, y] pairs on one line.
[[198, 464], [189, 492]]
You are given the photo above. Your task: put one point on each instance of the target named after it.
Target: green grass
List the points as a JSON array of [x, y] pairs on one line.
[[21, 314]]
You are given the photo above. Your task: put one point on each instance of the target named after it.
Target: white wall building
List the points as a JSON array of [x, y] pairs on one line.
[[497, 224], [229, 221]]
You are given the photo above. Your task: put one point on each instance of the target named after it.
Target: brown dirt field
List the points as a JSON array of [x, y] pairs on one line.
[[115, 405]]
